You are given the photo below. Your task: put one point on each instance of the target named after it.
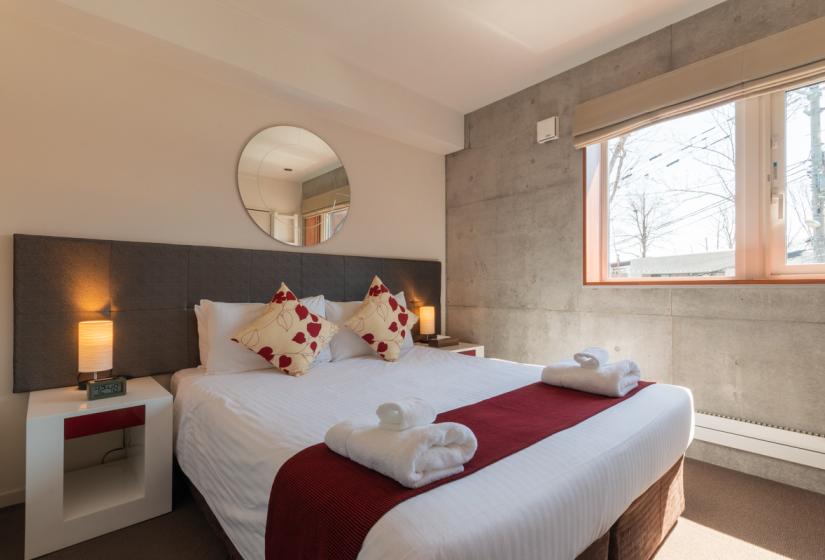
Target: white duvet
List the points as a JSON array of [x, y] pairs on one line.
[[549, 501]]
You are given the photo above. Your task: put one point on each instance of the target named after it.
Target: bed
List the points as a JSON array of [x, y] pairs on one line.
[[551, 500], [609, 486]]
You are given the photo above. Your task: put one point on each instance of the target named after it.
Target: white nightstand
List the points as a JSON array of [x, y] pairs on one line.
[[466, 348], [71, 496]]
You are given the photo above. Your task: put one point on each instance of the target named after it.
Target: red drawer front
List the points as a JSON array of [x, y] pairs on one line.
[[99, 422], [468, 352]]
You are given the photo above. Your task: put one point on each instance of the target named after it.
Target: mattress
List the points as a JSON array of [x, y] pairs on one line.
[[551, 500]]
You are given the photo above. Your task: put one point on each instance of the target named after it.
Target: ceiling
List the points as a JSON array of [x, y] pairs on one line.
[[287, 153], [406, 69], [468, 53]]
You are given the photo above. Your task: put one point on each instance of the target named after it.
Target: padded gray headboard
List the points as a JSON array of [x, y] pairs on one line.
[[149, 291]]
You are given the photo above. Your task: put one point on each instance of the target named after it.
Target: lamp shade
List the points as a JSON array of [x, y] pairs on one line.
[[94, 346], [426, 315]]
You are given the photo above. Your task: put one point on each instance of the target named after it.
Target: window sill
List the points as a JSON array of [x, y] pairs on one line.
[[820, 279]]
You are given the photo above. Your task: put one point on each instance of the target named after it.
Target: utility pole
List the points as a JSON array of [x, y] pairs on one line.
[[817, 173]]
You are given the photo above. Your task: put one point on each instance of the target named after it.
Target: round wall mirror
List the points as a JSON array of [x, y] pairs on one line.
[[293, 186]]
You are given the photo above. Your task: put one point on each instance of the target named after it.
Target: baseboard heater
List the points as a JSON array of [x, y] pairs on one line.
[[804, 448]]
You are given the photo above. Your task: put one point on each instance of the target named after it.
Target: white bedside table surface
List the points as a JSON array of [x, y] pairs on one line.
[[70, 401]]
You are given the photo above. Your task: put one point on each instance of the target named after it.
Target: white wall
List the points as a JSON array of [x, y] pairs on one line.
[[114, 143], [284, 197], [294, 64]]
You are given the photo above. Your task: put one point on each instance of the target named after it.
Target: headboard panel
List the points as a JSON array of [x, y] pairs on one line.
[[149, 291]]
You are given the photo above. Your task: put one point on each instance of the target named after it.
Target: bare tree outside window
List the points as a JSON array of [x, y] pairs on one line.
[[647, 215], [672, 197]]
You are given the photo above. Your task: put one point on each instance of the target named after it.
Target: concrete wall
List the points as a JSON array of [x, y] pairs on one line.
[[105, 133], [321, 184], [514, 259], [324, 191]]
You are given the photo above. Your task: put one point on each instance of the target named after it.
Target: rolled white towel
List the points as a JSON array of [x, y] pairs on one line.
[[405, 413], [413, 457], [592, 357], [611, 380]]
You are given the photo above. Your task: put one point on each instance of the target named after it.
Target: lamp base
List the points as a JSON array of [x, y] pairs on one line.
[[440, 342]]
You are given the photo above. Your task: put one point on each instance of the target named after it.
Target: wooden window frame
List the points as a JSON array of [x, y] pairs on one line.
[[760, 235]]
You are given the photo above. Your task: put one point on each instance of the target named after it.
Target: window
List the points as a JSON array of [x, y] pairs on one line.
[[735, 192], [798, 194], [672, 198], [320, 225]]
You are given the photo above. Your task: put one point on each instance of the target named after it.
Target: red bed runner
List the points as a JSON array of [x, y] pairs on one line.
[[322, 505]]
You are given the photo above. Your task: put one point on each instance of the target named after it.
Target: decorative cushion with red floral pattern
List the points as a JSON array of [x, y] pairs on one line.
[[287, 335], [382, 321]]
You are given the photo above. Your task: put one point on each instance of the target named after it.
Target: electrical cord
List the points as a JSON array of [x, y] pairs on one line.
[[121, 448]]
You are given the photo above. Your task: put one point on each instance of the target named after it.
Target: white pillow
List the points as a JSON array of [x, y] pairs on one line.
[[346, 344], [224, 320], [203, 342]]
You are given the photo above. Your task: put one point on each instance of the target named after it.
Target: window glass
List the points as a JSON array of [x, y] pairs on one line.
[[804, 175], [321, 226], [337, 218], [671, 198]]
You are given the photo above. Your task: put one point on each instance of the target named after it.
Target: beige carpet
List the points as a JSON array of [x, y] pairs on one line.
[[182, 534], [729, 516]]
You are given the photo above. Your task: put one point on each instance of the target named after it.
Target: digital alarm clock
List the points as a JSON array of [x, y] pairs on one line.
[[105, 388]]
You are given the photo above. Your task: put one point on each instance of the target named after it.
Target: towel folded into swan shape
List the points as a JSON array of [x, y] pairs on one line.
[[405, 413], [611, 380], [592, 357], [413, 457]]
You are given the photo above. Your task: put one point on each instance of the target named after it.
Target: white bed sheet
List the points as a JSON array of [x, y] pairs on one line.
[[549, 501]]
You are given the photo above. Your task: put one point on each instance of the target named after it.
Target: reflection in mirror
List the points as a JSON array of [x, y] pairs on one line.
[[293, 185]]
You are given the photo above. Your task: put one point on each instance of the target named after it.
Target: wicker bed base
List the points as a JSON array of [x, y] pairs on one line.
[[644, 526], [636, 535], [214, 524], [598, 550]]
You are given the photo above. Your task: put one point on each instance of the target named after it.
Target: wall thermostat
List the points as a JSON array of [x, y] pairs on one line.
[[547, 130]]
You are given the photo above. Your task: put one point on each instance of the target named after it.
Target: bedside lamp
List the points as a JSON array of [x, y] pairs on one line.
[[94, 347], [426, 316]]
